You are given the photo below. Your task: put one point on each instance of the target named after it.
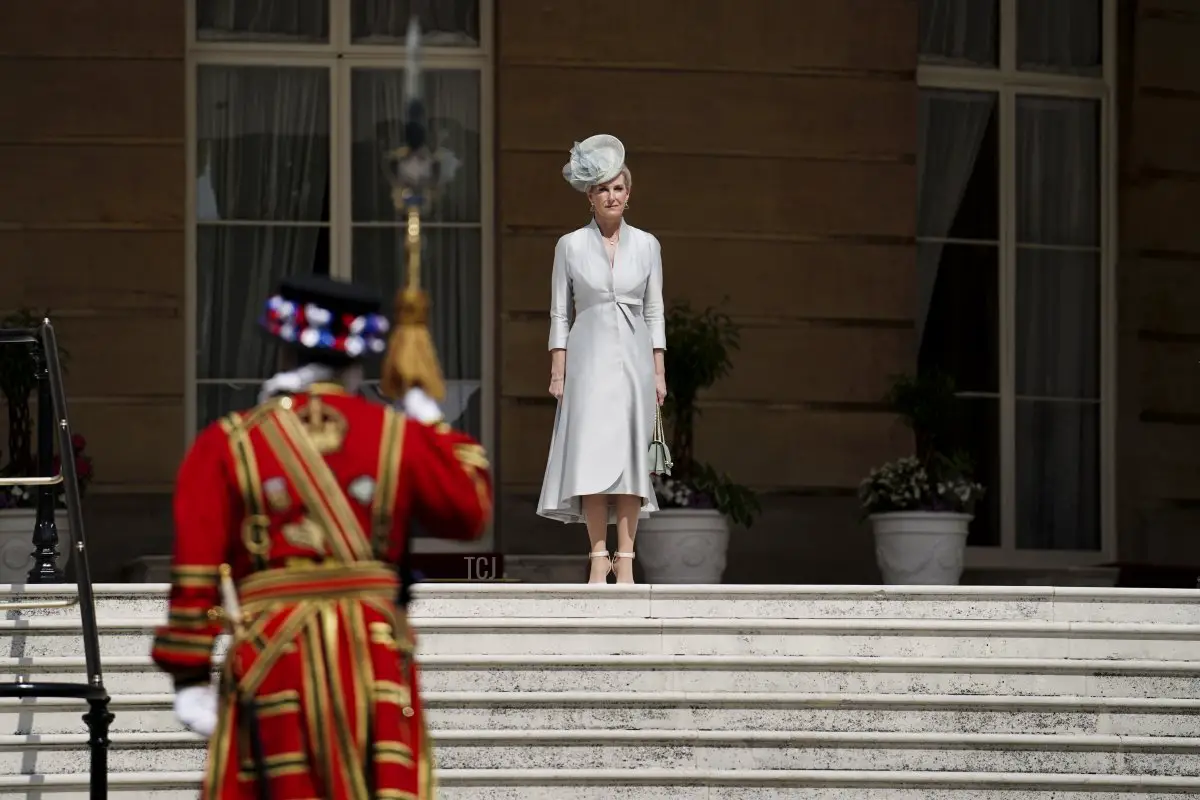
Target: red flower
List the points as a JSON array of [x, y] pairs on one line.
[[83, 467], [78, 443]]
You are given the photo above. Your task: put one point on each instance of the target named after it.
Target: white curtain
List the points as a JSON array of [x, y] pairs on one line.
[[1060, 36], [452, 256], [959, 32], [263, 159], [262, 20], [1058, 325], [444, 23], [951, 129]]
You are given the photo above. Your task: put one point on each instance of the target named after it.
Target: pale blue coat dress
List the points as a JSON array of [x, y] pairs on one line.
[[605, 420]]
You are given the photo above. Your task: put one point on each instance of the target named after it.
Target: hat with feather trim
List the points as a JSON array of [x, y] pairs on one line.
[[596, 160]]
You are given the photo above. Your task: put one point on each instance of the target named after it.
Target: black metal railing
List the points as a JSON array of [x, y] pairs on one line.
[[52, 422]]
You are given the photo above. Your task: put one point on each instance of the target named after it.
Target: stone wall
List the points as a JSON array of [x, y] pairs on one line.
[[91, 227], [1159, 282]]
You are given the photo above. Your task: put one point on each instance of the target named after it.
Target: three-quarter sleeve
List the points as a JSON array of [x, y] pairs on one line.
[[652, 303], [560, 298]]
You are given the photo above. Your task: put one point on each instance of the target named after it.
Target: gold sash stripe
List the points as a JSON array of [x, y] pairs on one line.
[[387, 482]]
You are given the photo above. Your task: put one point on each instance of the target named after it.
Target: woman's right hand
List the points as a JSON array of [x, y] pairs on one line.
[[556, 386]]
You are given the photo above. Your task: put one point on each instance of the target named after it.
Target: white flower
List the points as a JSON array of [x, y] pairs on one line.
[[316, 315], [310, 338]]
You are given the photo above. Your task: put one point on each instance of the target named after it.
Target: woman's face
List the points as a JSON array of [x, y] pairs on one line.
[[608, 199]]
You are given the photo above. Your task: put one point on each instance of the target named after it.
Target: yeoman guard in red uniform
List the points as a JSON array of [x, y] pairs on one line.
[[290, 518]]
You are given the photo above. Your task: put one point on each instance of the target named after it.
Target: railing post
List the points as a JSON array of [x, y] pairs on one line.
[[45, 531], [98, 719]]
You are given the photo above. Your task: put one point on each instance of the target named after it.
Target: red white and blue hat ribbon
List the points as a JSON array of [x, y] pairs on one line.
[[313, 327]]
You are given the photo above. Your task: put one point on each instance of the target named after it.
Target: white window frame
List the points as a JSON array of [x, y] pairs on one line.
[[339, 56], [1007, 82]]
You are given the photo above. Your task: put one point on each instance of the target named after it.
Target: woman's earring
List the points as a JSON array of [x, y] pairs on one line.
[[626, 206]]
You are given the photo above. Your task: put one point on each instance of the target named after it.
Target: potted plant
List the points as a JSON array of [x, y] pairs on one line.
[[920, 506], [687, 539], [18, 504]]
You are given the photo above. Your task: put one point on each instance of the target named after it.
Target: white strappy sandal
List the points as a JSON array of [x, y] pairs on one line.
[[601, 554], [613, 567]]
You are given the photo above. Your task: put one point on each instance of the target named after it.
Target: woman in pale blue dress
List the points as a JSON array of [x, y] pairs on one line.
[[606, 369]]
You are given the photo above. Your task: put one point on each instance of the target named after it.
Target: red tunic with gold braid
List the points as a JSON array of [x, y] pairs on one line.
[[306, 499]]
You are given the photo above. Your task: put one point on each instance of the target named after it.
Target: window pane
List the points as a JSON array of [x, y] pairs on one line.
[[958, 313], [262, 20], [377, 109], [262, 143], [1063, 36], [1058, 171], [1058, 475], [1058, 324], [958, 166], [451, 272], [959, 32], [215, 400], [976, 432], [444, 23], [237, 267]]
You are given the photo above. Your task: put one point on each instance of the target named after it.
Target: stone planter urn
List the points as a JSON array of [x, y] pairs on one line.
[[920, 547], [683, 545], [16, 542]]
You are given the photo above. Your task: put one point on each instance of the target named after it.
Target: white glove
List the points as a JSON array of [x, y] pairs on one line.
[[421, 406], [196, 708]]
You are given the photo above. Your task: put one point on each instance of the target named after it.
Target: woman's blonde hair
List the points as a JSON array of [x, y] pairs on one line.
[[624, 173]]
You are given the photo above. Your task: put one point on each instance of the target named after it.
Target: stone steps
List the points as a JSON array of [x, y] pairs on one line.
[[659, 673], [53, 637], [704, 711], [440, 600], [483, 750], [751, 693], [698, 784]]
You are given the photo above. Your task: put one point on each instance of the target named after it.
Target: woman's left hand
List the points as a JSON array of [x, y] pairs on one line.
[[660, 388]]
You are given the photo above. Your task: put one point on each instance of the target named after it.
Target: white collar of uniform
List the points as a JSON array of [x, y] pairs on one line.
[[297, 380]]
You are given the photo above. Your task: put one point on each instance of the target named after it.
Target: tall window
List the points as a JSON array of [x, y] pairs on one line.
[[1015, 236], [293, 105]]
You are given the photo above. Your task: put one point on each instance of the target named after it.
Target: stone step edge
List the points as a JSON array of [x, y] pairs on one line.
[[790, 700], [652, 777], [903, 664], [633, 737], [738, 625], [678, 591]]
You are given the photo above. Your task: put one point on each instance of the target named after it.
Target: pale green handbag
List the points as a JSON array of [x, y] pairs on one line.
[[660, 454]]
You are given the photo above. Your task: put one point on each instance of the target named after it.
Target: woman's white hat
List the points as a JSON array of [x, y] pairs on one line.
[[597, 159]]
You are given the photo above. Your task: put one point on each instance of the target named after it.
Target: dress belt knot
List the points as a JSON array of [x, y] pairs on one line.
[[627, 302]]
